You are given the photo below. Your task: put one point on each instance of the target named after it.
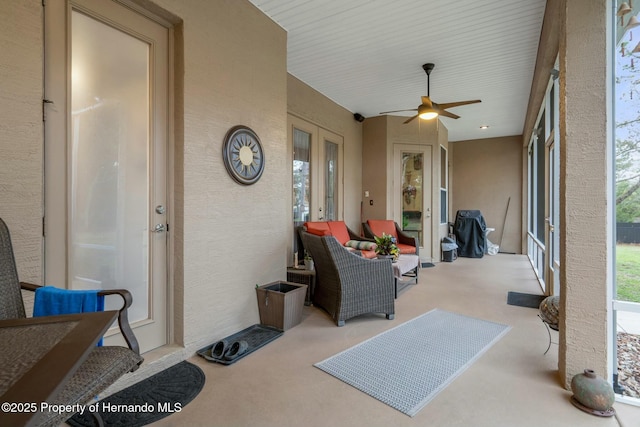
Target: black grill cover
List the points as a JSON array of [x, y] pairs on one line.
[[469, 229]]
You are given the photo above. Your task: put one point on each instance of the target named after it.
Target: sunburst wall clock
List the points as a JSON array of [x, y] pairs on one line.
[[242, 155]]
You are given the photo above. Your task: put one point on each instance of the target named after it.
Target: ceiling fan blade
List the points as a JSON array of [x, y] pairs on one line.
[[409, 119], [457, 104], [398, 111], [447, 114]]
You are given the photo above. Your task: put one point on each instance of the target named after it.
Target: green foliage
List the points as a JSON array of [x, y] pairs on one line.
[[627, 176], [627, 210], [628, 272], [386, 245]]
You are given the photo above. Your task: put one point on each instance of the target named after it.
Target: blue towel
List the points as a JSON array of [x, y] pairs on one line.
[[51, 301]]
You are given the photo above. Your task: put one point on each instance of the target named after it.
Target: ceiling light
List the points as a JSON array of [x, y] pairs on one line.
[[427, 112], [428, 115], [484, 127]]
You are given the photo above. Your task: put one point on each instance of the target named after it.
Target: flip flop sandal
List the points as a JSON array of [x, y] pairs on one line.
[[219, 349], [237, 349]]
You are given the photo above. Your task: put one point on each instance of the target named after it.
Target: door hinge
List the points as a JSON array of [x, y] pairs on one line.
[[43, 235], [44, 102]]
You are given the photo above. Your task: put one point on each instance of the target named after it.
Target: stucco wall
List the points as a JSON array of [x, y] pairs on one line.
[[374, 170], [232, 236], [21, 149], [487, 173]]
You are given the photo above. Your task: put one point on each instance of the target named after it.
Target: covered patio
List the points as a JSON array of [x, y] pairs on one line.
[[514, 383]]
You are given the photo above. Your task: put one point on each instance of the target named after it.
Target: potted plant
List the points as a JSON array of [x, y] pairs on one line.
[[386, 247], [308, 261]]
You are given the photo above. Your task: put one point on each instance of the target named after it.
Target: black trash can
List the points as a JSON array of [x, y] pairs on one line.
[[449, 249], [470, 231]]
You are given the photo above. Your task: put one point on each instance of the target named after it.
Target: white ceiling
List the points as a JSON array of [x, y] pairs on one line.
[[367, 55]]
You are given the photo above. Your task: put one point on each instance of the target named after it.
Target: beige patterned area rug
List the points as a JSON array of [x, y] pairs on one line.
[[407, 366]]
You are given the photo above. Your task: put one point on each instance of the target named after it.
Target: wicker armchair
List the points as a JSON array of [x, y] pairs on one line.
[[103, 366], [348, 285], [407, 244]]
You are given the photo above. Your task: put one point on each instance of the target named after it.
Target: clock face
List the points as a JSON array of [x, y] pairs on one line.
[[242, 154]]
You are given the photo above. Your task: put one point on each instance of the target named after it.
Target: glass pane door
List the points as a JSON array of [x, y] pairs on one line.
[[301, 181], [109, 161], [412, 193], [317, 156], [105, 196], [330, 180]]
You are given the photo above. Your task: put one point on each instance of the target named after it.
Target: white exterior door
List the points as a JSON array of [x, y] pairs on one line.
[[412, 193], [317, 177], [106, 150]]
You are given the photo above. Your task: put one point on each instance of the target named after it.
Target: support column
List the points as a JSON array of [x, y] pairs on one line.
[[583, 189]]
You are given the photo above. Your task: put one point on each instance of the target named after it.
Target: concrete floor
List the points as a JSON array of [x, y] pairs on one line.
[[512, 384]]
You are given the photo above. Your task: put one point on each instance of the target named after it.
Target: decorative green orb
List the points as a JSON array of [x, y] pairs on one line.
[[592, 391]]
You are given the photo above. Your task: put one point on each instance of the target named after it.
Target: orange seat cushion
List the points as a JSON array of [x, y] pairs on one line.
[[406, 249], [318, 228], [379, 226], [339, 231]]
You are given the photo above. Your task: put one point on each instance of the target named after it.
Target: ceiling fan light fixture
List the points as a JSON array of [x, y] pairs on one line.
[[429, 110], [426, 112], [428, 115]]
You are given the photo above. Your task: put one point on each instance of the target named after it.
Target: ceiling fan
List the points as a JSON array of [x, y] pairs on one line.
[[430, 110]]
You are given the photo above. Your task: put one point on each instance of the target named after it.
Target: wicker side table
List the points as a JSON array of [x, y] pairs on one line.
[[304, 277]]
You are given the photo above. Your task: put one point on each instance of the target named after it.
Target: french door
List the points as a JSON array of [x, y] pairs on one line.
[[317, 177], [412, 193], [106, 86], [543, 217], [552, 252], [552, 192]]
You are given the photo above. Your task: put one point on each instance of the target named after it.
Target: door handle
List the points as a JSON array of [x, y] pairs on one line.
[[159, 228]]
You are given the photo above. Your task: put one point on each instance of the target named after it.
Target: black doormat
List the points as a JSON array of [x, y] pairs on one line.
[[524, 300], [157, 397], [255, 336], [427, 265]]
